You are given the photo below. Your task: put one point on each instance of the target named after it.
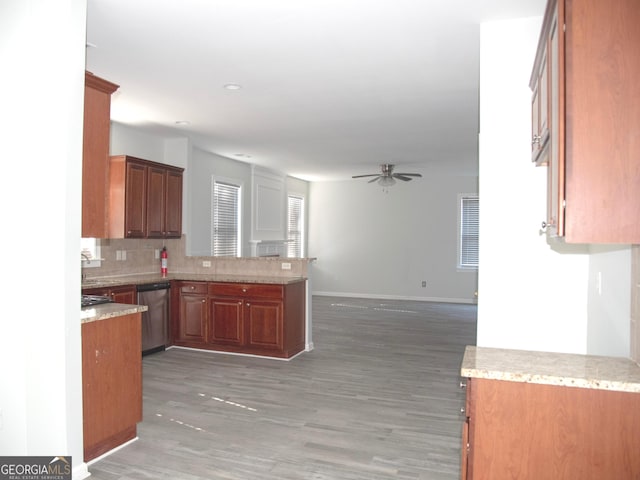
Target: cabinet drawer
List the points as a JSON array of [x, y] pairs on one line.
[[193, 287], [246, 290]]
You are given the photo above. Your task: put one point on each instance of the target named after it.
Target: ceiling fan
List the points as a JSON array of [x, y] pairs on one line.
[[387, 177]]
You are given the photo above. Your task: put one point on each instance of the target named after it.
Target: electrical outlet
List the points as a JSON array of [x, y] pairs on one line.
[[118, 255], [124, 254], [424, 283], [156, 253], [286, 266], [206, 263]]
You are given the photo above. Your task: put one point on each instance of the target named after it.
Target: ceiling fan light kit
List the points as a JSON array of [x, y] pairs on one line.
[[387, 178]]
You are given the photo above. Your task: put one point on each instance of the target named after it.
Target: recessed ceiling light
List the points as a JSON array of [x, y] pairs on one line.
[[233, 86], [183, 122]]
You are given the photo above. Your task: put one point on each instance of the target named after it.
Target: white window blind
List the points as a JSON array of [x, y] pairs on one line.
[[226, 221], [295, 226], [469, 223]]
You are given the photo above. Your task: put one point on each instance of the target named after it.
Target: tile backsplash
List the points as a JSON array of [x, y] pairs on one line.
[[131, 256]]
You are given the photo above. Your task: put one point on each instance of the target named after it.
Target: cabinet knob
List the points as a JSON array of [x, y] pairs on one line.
[[463, 385], [248, 304], [546, 225], [462, 410], [244, 290], [203, 300]]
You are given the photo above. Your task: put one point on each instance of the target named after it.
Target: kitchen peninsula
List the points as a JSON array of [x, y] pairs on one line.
[[111, 376]]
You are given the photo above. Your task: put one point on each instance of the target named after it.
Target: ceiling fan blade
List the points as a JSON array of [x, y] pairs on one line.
[[410, 174], [401, 176], [371, 175], [374, 179]]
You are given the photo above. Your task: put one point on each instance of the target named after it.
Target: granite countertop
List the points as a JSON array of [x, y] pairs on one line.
[[562, 369], [140, 279], [109, 310]]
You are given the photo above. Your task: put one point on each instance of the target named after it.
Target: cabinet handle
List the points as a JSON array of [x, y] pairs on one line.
[[536, 140], [545, 225]]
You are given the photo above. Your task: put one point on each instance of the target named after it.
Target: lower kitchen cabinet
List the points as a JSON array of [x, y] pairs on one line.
[[122, 294], [111, 383], [517, 430], [259, 319], [192, 313]]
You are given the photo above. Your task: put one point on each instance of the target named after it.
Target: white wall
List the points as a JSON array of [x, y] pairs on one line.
[[530, 296], [383, 245], [41, 92], [609, 307]]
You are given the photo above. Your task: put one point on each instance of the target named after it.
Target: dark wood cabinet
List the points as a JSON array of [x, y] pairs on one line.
[[192, 315], [260, 319], [534, 431], [585, 115], [145, 199], [227, 321], [111, 383], [126, 294], [95, 155]]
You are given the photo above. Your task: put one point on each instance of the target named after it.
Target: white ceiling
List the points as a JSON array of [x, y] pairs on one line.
[[330, 88]]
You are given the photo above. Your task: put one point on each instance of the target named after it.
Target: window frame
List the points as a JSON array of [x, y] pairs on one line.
[[91, 247], [462, 246]]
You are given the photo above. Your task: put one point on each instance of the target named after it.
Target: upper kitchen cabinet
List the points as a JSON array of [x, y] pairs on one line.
[[95, 155], [585, 95], [145, 199]]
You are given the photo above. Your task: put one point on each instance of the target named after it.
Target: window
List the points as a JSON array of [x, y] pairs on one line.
[[468, 231], [295, 226], [90, 252], [226, 220]]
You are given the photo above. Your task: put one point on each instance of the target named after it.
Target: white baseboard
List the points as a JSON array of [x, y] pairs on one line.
[[80, 472], [396, 297]]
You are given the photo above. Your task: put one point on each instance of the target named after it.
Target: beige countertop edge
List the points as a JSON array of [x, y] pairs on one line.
[[140, 279], [109, 310], [549, 368]]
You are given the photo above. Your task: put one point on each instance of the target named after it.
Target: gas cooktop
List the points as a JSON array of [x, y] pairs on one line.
[[91, 300]]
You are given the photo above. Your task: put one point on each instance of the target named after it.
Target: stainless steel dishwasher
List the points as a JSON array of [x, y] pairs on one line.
[[155, 321]]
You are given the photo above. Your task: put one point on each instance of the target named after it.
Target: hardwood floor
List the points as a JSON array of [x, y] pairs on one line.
[[378, 398]]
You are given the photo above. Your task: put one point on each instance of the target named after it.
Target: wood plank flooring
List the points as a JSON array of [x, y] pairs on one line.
[[378, 398]]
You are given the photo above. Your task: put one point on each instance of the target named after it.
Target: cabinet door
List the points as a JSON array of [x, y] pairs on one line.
[[125, 295], [192, 325], [156, 185], [135, 195], [227, 326], [264, 324], [540, 114], [173, 204]]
